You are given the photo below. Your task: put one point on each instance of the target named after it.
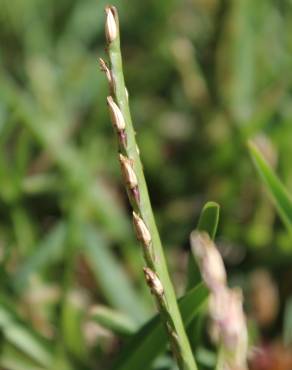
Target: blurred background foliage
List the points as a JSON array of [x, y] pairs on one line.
[[204, 76]]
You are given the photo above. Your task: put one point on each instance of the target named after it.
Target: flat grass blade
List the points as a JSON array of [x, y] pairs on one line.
[[278, 192], [151, 339]]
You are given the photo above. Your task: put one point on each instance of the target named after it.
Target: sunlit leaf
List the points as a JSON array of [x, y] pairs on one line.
[[278, 192]]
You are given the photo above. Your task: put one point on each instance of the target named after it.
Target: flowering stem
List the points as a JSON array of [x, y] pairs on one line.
[[156, 272]]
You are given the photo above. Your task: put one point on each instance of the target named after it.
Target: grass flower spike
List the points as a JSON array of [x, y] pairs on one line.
[[153, 282], [128, 172], [116, 115], [106, 70], [156, 272], [142, 232], [117, 120], [110, 25]]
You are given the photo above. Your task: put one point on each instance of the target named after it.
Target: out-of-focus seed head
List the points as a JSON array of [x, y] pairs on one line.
[[209, 259], [266, 147], [234, 322], [111, 29], [153, 282], [218, 303], [234, 330], [117, 117], [142, 232], [225, 305], [199, 242], [129, 175], [264, 297], [229, 325]]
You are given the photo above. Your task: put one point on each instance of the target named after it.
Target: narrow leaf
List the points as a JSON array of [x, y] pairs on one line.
[[151, 339], [113, 320], [116, 286], [13, 359], [209, 218], [48, 250], [278, 192], [208, 222], [23, 338]]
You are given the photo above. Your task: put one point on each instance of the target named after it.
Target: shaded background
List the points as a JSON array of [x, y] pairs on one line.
[[204, 76]]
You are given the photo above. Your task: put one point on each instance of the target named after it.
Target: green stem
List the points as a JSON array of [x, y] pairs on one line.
[[220, 359], [143, 207]]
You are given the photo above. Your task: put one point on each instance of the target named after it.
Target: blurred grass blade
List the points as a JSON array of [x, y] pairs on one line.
[[23, 230], [50, 135], [206, 357], [23, 338], [13, 359], [151, 339], [46, 253], [208, 222], [280, 196], [40, 183], [209, 219], [235, 59], [115, 321], [73, 313], [111, 278]]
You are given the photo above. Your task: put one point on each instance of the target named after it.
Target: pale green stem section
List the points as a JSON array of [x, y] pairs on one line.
[[220, 359], [185, 356]]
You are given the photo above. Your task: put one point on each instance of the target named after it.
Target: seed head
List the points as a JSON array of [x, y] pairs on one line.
[[106, 70], [111, 29], [142, 232], [209, 259], [231, 325], [116, 115], [153, 282], [129, 175]]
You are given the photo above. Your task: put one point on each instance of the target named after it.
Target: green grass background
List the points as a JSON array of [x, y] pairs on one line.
[[204, 76]]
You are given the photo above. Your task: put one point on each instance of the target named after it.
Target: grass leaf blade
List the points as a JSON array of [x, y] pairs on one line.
[[151, 339], [278, 192]]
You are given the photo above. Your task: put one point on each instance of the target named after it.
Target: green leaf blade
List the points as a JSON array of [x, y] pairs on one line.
[[208, 222], [151, 339], [209, 219], [112, 320], [278, 192]]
